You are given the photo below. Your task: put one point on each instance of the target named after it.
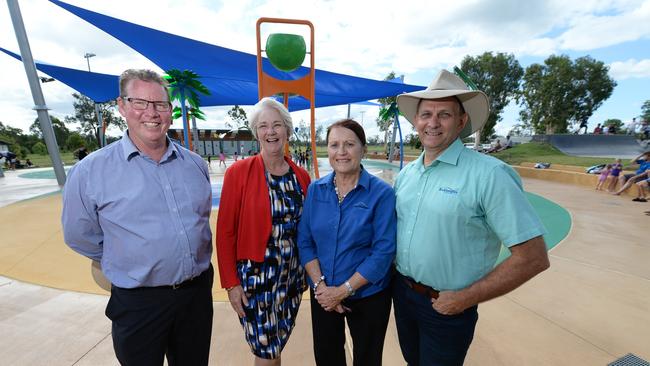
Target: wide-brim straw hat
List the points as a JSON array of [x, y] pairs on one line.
[[446, 84]]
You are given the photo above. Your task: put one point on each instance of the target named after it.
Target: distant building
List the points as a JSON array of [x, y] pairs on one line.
[[213, 141]]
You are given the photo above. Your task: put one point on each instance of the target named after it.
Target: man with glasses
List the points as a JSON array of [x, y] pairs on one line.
[[140, 207]]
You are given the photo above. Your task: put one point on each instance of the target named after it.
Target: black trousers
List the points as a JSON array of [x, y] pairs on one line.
[[151, 322], [367, 320]]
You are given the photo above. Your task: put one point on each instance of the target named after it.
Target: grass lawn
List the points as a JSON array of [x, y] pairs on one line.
[[44, 160], [321, 151], [534, 152]]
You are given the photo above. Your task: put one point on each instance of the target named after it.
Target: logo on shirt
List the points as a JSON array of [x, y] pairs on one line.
[[447, 190]]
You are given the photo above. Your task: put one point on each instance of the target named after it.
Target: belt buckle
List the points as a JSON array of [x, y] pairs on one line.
[[176, 286]]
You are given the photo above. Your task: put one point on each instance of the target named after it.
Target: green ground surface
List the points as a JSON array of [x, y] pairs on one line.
[[555, 218], [535, 152], [44, 160]]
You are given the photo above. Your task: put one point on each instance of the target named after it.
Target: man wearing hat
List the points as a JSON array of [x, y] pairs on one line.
[[455, 207]]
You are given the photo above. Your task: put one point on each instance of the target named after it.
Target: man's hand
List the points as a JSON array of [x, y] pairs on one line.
[[450, 303], [237, 297]]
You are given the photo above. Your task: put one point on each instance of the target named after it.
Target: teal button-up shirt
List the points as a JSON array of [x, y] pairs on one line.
[[453, 216]]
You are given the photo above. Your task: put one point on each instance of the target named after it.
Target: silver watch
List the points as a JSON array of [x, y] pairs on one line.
[[351, 291]]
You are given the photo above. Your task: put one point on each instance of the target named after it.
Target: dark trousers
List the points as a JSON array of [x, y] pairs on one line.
[[151, 322], [367, 320], [427, 337]]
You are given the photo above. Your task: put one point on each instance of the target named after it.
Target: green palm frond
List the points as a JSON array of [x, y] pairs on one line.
[[388, 112], [185, 87]]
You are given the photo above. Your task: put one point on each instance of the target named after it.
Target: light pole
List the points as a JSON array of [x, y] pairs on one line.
[[87, 56], [98, 112], [362, 113]]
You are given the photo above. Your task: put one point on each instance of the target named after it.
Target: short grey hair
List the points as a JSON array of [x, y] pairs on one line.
[[270, 103], [140, 74]]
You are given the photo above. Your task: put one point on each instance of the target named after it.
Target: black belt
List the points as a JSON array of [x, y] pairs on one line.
[[187, 283]]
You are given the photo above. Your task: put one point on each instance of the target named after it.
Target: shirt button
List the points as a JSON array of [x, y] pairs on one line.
[[174, 209], [182, 232], [168, 187]]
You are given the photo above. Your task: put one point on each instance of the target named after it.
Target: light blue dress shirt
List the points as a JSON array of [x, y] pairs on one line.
[[146, 221], [356, 236], [453, 216]]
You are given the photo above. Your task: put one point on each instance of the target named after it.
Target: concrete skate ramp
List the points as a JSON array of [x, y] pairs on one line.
[[605, 146]]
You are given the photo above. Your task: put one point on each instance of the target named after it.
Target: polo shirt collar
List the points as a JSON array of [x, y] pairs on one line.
[[130, 150], [449, 156]]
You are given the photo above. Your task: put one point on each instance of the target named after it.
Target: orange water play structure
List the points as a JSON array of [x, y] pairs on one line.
[[303, 86]]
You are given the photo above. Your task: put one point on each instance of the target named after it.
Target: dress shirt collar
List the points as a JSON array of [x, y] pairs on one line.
[[364, 179], [130, 150]]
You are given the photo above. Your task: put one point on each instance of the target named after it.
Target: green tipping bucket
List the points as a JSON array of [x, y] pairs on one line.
[[286, 51]]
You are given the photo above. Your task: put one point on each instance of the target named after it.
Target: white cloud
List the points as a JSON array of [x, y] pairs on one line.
[[632, 68], [591, 31]]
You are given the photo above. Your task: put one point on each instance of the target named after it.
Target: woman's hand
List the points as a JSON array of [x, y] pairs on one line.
[[330, 297], [237, 297]]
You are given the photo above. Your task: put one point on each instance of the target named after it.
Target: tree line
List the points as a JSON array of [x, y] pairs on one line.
[[555, 96], [85, 134]]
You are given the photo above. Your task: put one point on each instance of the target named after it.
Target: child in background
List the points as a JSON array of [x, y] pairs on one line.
[[603, 176], [617, 167]]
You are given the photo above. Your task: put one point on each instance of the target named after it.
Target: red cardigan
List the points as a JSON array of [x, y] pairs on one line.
[[244, 220]]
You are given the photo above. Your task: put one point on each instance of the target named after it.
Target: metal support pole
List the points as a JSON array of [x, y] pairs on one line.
[[98, 112], [195, 135], [37, 93], [392, 143], [100, 129]]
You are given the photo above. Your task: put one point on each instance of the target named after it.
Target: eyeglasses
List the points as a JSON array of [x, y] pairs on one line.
[[142, 104]]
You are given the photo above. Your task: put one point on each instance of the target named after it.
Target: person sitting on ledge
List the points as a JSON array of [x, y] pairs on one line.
[[628, 179], [495, 148]]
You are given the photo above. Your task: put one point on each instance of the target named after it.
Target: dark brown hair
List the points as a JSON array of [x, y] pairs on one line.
[[350, 124]]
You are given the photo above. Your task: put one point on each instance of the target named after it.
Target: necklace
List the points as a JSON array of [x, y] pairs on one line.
[[340, 196]]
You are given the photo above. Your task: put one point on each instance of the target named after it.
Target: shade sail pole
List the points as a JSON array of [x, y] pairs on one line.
[[37, 93]]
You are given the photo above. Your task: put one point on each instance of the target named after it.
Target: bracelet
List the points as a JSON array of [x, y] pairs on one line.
[[351, 291], [320, 279]]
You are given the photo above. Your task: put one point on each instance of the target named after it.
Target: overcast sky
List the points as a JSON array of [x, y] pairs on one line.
[[360, 38]]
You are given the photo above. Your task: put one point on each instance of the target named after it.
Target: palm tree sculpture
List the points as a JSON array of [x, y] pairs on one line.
[[186, 86], [386, 113]]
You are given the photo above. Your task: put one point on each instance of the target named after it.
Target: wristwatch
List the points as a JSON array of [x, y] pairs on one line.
[[351, 291]]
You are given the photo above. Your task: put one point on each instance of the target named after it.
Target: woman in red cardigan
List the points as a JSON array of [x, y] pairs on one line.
[[261, 204]]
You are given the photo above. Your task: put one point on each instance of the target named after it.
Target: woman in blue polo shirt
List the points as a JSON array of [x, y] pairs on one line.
[[346, 241]]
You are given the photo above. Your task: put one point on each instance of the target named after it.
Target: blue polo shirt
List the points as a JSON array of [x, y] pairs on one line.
[[453, 216], [355, 236]]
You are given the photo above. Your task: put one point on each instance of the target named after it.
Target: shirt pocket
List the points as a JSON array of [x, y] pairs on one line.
[[360, 216]]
